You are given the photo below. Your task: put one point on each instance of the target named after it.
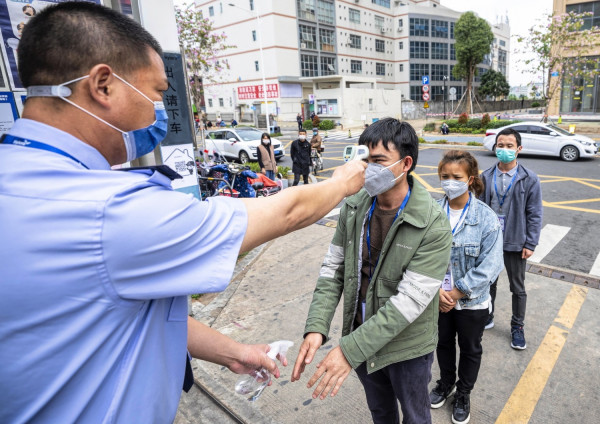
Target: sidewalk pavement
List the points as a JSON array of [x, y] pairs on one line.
[[269, 301]]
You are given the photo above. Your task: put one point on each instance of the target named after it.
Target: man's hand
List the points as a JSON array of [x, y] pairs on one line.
[[309, 346], [351, 175], [334, 369], [446, 301], [262, 171], [252, 357], [526, 253]]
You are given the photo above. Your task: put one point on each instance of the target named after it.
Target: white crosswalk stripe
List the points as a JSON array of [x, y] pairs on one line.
[[550, 236], [596, 267]]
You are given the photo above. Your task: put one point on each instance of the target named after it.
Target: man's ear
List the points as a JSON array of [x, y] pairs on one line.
[[408, 162], [101, 81]]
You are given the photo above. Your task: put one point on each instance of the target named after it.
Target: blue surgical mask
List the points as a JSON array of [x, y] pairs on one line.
[[137, 142], [506, 155]]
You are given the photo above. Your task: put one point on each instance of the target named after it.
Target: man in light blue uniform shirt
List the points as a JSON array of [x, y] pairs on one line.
[[96, 264]]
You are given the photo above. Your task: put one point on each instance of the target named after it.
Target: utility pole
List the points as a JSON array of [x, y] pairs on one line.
[[444, 95]]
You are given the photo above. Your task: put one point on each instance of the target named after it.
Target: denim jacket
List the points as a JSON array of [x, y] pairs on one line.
[[477, 256]]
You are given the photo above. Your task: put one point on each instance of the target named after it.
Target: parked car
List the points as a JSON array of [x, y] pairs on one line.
[[538, 138], [239, 143]]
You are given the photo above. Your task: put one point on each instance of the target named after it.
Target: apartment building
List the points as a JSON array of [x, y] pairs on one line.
[[578, 96], [382, 48]]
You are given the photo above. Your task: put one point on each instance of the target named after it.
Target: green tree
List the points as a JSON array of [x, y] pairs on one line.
[[493, 83], [201, 46], [560, 48], [473, 41]]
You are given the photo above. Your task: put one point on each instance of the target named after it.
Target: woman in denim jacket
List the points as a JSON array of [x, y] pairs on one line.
[[475, 261]]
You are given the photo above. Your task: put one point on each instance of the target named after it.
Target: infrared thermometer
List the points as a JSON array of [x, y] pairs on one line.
[[356, 152]]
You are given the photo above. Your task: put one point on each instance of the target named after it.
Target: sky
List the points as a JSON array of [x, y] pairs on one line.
[[522, 15]]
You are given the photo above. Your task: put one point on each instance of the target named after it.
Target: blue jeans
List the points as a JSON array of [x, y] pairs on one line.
[[271, 175], [405, 381]]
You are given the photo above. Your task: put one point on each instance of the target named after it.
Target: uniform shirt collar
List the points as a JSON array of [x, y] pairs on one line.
[[510, 173], [52, 136]]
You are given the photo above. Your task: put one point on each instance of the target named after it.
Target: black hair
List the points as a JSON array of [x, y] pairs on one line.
[[65, 41], [509, 131], [390, 130], [302, 130]]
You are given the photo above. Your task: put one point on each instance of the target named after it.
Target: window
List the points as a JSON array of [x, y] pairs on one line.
[[354, 16], [211, 11], [306, 9], [253, 35], [308, 37], [370, 104], [419, 27], [439, 51], [221, 104], [452, 75], [209, 102], [452, 52], [416, 93], [356, 66], [539, 130], [593, 8], [384, 3], [437, 93], [418, 70], [479, 73], [309, 66], [327, 65], [380, 69], [439, 29], [379, 22], [221, 7], [419, 50], [501, 56], [251, 4], [380, 46], [503, 43], [327, 39], [438, 72], [355, 41], [400, 23], [256, 65], [402, 67], [401, 45], [327, 107], [326, 11], [452, 30]]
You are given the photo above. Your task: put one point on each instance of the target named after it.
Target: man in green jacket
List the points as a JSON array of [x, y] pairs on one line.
[[388, 256]]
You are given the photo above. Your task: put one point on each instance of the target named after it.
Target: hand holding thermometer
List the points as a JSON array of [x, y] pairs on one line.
[[356, 152]]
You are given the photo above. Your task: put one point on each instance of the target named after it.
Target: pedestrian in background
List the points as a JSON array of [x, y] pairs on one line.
[[265, 155], [300, 154], [475, 261], [388, 256], [515, 194], [299, 121]]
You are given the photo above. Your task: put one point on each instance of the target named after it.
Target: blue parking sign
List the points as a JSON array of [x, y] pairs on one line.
[[425, 79]]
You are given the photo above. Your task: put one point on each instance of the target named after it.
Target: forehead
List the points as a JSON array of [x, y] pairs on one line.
[[507, 138], [380, 150], [453, 168]]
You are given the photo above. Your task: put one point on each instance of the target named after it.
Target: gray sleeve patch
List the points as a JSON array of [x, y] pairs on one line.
[[333, 259], [415, 291]]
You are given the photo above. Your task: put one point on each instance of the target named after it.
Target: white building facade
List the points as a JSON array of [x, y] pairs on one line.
[[385, 45]]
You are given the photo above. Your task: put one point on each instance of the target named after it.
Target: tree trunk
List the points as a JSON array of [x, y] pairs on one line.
[[470, 72]]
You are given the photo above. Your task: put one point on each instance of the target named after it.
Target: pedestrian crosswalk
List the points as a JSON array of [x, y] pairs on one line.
[[550, 236], [340, 135]]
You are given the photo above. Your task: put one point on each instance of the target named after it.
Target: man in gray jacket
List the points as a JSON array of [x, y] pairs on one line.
[[515, 194]]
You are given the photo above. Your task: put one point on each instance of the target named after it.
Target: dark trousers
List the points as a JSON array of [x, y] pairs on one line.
[[468, 324], [404, 381], [515, 268], [297, 178], [299, 126]]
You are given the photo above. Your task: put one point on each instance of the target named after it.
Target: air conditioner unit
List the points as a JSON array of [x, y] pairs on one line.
[[384, 30], [356, 1], [302, 45], [400, 29]]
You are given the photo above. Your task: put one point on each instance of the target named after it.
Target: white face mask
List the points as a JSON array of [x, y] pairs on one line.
[[379, 178], [302, 137], [265, 141], [454, 188]]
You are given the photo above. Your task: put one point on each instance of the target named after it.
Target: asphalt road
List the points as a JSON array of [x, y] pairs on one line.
[[571, 198]]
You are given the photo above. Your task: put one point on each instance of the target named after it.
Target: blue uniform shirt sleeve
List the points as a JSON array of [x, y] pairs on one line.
[[161, 243]]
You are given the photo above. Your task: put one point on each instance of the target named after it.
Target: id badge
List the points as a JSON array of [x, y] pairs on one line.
[[363, 306], [502, 220], [447, 282]]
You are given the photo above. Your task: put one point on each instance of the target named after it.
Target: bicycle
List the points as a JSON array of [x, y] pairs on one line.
[[316, 162]]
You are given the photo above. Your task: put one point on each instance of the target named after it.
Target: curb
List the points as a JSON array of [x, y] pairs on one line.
[[563, 274]]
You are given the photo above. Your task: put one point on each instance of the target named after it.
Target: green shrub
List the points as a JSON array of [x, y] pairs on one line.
[[463, 118], [254, 167], [422, 140], [430, 126], [501, 122], [442, 141], [474, 143], [277, 134], [485, 120], [307, 125], [474, 123], [283, 170], [535, 104], [326, 124], [452, 122]]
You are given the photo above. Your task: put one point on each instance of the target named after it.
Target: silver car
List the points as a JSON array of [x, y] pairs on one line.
[[239, 143], [538, 138]]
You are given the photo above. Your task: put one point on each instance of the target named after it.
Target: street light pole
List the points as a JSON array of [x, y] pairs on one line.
[[444, 95], [262, 61]]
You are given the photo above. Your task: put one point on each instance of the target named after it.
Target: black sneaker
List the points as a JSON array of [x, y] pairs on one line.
[[489, 324], [517, 336], [440, 393], [461, 411]]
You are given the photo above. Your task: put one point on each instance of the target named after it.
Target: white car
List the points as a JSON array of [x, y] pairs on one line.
[[239, 143], [538, 138]]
